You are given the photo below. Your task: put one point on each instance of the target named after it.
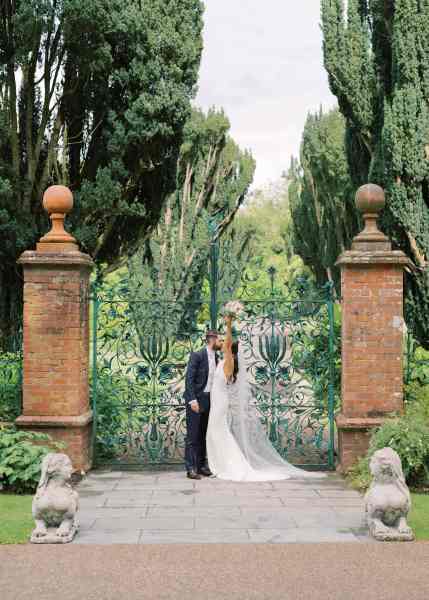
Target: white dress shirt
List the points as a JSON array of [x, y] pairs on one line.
[[212, 370]]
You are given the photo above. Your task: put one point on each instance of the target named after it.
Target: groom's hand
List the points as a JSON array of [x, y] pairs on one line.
[[195, 406]]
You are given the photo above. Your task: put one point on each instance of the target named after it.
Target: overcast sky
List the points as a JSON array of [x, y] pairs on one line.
[[262, 63]]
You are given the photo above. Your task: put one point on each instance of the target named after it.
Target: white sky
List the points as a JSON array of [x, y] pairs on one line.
[[262, 63]]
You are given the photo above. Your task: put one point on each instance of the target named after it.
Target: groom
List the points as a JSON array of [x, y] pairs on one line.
[[199, 380]]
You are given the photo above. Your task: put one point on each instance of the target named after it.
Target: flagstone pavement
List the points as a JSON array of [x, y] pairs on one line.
[[120, 507]]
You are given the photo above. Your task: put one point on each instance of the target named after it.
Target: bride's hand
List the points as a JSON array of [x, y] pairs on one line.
[[229, 319]]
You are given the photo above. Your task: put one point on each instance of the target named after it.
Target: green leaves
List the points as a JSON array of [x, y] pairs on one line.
[[348, 60], [324, 218], [10, 385], [378, 65], [21, 455], [408, 436], [93, 95], [212, 178]]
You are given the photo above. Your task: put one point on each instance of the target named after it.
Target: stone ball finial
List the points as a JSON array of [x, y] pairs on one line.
[[58, 199], [370, 199], [58, 202]]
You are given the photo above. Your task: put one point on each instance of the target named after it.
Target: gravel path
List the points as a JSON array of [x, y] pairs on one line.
[[216, 572]]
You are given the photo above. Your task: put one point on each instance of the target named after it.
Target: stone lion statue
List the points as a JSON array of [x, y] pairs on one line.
[[388, 500], [56, 503]]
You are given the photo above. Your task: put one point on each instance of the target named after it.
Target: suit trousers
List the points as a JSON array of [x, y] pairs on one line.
[[196, 432]]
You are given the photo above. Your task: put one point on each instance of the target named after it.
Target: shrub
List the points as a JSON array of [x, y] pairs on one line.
[[21, 455], [10, 385], [112, 415], [416, 369], [409, 436], [124, 411], [419, 405]]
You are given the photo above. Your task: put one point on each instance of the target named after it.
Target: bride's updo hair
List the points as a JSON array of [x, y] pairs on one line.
[[234, 349]]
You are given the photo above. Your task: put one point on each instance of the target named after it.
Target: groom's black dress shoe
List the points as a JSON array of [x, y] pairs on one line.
[[193, 475], [205, 471]]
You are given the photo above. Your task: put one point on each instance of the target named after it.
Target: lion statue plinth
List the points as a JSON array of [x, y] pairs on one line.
[[56, 503], [388, 500]]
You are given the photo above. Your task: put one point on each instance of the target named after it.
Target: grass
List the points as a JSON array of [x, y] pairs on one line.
[[419, 517], [16, 522]]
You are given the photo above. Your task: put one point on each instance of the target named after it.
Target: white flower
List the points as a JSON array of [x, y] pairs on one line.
[[233, 308]]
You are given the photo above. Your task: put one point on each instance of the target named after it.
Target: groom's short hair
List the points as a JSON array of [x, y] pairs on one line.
[[211, 334]]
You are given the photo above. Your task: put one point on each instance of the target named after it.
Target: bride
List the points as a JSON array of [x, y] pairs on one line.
[[237, 446]]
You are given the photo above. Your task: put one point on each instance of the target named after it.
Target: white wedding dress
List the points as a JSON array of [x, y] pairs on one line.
[[237, 445]]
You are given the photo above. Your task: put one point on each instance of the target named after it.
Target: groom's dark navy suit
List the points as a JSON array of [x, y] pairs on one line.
[[197, 376]]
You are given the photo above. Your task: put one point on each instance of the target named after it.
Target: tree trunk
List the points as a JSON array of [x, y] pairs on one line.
[[11, 305]]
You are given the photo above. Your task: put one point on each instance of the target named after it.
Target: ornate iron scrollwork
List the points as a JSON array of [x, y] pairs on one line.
[[139, 364]]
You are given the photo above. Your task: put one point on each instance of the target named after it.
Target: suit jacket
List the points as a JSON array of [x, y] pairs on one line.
[[197, 375]]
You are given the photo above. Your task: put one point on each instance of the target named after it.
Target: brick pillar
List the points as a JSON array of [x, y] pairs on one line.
[[372, 331], [56, 335]]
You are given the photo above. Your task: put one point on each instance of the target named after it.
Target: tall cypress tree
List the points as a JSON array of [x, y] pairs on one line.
[[376, 53], [321, 197]]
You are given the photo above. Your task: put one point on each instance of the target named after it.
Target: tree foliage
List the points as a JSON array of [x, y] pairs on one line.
[[93, 95], [267, 216], [213, 177], [324, 217], [377, 57]]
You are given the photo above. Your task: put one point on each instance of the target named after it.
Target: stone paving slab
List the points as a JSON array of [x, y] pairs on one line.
[[113, 513], [196, 536], [230, 500], [338, 493], [133, 484], [145, 523], [165, 507], [194, 511], [95, 502], [314, 535], [256, 521], [109, 536], [275, 493]]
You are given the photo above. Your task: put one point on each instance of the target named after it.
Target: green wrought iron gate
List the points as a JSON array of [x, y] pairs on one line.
[[139, 362]]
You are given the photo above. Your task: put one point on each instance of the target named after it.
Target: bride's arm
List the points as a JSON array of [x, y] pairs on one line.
[[228, 366]]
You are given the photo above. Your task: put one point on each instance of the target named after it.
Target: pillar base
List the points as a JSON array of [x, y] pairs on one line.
[[75, 432], [353, 439]]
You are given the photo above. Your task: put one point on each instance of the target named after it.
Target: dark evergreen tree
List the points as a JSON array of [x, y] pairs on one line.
[[94, 95], [321, 197], [377, 57]]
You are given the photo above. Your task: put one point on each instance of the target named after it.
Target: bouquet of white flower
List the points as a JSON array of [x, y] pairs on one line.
[[233, 309]]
